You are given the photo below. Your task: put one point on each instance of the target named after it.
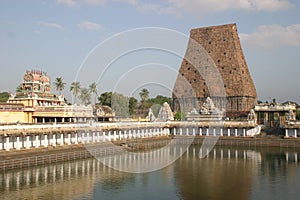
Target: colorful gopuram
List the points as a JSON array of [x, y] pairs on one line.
[[36, 104]]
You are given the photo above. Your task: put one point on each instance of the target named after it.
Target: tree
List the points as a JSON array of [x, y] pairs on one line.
[[180, 116], [298, 115], [93, 90], [75, 88], [132, 105], [120, 104], [159, 99], [59, 84], [85, 96], [144, 94], [105, 99], [19, 88], [4, 96]]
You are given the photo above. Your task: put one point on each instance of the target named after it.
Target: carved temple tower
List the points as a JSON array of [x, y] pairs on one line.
[[214, 66]]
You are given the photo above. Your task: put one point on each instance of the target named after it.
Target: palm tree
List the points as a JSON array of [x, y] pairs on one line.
[[59, 84], [93, 90], [75, 89], [144, 94], [85, 96]]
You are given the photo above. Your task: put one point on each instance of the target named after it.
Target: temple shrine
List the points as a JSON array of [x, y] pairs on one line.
[[34, 103]]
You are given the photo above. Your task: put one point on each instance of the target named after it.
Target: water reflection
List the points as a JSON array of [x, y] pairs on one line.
[[225, 173]]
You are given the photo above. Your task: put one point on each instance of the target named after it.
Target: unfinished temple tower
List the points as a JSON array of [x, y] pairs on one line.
[[214, 66]]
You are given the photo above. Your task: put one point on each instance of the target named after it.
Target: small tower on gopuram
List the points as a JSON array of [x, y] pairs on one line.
[[214, 66]]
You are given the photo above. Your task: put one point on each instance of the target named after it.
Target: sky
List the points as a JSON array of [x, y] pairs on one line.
[[126, 45]]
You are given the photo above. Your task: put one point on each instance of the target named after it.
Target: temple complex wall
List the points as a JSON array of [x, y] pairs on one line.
[[12, 117]]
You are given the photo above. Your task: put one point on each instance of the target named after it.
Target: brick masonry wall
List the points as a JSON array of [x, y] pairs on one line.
[[214, 66]]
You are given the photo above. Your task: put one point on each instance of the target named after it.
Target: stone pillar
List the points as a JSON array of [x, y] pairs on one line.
[[115, 135], [93, 137], [109, 136], [221, 131], [244, 132], [214, 130], [18, 144], [2, 143], [76, 138], [295, 133], [180, 131], [7, 146], [104, 138], [286, 132], [84, 137], [120, 135], [174, 131], [28, 143], [61, 139], [54, 140], [81, 138], [187, 131], [207, 132], [125, 134], [37, 141], [194, 131], [46, 140], [89, 136], [69, 139], [98, 136], [235, 131], [166, 131], [200, 131], [228, 132]]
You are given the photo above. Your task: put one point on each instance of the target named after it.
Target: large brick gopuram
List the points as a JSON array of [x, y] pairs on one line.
[[214, 66]]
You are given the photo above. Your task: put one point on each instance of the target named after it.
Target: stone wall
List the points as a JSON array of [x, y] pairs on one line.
[[214, 66]]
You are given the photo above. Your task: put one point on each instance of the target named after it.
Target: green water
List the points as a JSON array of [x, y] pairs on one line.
[[225, 174]]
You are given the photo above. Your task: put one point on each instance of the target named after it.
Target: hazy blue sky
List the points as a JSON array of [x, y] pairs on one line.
[[58, 35]]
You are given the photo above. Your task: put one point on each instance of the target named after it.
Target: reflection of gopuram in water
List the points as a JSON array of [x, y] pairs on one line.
[[226, 173]]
